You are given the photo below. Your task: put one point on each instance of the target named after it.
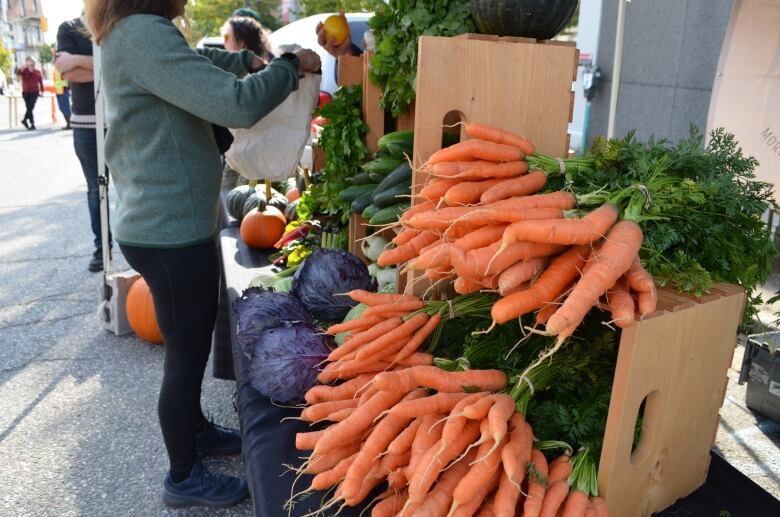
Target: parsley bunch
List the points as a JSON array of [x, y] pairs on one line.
[[396, 28], [342, 141]]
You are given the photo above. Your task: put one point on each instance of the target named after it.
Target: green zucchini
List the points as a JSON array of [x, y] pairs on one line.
[[398, 144], [370, 210], [355, 191], [360, 204], [403, 174], [389, 214], [390, 196], [383, 165], [376, 177], [361, 178]]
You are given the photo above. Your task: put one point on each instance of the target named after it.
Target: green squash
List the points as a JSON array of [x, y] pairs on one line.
[[254, 200], [235, 200], [538, 19], [291, 211]]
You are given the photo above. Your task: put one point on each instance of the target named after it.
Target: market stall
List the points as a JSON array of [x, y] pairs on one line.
[[514, 331]]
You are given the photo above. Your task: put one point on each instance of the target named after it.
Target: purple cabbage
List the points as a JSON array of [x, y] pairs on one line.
[[258, 310], [324, 277], [285, 360]]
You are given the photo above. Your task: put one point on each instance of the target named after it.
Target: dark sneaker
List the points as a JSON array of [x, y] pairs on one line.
[[215, 440], [32, 127], [204, 488], [96, 262], [25, 124]]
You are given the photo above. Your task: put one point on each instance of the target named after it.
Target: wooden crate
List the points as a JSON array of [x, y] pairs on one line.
[[676, 361], [517, 84]]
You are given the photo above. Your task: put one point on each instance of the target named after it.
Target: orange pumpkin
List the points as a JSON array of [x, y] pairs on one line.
[[262, 229], [292, 195], [140, 312]]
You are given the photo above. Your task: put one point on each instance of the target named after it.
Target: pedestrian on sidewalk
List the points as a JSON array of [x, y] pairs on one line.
[[164, 97], [62, 90], [74, 62], [32, 88]]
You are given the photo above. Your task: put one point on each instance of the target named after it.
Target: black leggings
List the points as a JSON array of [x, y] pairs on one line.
[[30, 98], [184, 283]]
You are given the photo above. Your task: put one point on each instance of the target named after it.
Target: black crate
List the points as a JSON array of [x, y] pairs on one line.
[[761, 370]]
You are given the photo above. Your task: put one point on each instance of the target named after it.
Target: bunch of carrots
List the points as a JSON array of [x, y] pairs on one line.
[[483, 221], [444, 443]]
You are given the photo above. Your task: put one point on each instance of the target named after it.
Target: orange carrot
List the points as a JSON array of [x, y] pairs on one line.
[[638, 278], [536, 484], [319, 464], [438, 403], [517, 452], [372, 299], [621, 304], [487, 510], [349, 370], [477, 149], [576, 504], [319, 411], [485, 487], [343, 391], [520, 273], [393, 336], [440, 380], [390, 506], [403, 306], [341, 414], [469, 285], [428, 434], [590, 228], [591, 511], [600, 506], [437, 273], [416, 208], [506, 498], [491, 260], [407, 251], [469, 192], [403, 442], [437, 257], [385, 432], [647, 301], [438, 500], [307, 441], [498, 417], [479, 170], [351, 325], [484, 236], [367, 336], [561, 272], [499, 136], [436, 189], [553, 498], [438, 457], [613, 259], [359, 420], [480, 473], [521, 186], [505, 211], [418, 338], [327, 479], [404, 236], [560, 470]]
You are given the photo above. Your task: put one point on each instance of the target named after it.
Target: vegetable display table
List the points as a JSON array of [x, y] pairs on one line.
[[269, 443]]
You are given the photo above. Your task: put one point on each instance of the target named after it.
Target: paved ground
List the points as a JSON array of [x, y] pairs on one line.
[[78, 426], [78, 421]]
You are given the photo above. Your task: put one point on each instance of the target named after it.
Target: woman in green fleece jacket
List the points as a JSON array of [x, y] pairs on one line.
[[161, 99]]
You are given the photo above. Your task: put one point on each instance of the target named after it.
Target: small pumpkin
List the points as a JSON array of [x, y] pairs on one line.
[[235, 200], [262, 228], [139, 307], [292, 195], [539, 19]]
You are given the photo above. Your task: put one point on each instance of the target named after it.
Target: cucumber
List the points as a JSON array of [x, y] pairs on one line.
[[398, 143], [370, 210], [361, 178], [356, 191], [402, 174], [376, 177], [361, 203], [389, 214], [383, 166], [391, 196]]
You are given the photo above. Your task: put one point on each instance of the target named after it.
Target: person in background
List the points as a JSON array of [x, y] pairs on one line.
[[32, 88], [243, 33], [62, 90], [162, 99], [74, 62]]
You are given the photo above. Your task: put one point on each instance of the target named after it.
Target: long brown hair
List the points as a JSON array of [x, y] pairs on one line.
[[103, 15]]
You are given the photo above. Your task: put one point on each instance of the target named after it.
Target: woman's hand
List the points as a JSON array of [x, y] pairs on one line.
[[258, 63], [308, 59]]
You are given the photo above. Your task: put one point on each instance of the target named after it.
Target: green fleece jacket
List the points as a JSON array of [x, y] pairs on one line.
[[161, 98]]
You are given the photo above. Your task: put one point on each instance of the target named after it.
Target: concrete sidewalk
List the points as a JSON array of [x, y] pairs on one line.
[[78, 418]]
